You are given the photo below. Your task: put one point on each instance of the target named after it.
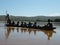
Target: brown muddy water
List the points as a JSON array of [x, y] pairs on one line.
[[26, 36]]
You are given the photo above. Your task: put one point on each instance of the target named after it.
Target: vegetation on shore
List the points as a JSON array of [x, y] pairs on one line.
[[36, 18]]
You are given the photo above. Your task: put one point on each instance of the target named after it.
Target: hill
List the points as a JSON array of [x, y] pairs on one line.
[[36, 18]]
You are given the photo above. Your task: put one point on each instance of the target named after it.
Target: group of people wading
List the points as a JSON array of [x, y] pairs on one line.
[[24, 24]]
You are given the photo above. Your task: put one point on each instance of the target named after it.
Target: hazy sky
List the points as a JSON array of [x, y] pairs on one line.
[[30, 7]]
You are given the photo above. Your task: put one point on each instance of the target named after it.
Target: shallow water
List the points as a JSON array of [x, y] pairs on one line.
[[26, 36]]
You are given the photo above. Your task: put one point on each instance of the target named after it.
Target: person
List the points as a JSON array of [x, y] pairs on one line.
[[34, 25], [30, 24], [13, 23], [18, 23], [7, 17], [8, 21], [21, 24], [49, 23], [25, 25]]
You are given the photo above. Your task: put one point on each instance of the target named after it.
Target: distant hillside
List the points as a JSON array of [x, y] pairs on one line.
[[2, 17], [36, 18]]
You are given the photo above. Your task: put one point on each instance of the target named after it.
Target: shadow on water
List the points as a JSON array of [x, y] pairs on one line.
[[49, 33]]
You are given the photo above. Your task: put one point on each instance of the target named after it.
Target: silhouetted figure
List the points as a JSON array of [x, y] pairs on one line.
[[21, 24], [13, 23], [49, 24], [34, 25], [25, 25], [7, 17], [18, 23], [8, 21], [30, 24], [39, 27]]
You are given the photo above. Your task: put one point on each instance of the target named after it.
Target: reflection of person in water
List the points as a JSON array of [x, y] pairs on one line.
[[9, 29], [34, 32], [23, 30], [8, 32], [49, 33], [29, 30], [17, 29]]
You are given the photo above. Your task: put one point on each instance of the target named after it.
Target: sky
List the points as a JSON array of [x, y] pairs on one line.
[[30, 7]]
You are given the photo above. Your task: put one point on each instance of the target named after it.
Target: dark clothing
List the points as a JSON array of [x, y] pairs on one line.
[[30, 24], [22, 24], [7, 17], [34, 25], [18, 23], [13, 23], [8, 21], [25, 25], [49, 25]]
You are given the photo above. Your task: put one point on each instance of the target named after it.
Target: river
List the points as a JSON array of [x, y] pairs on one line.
[[27, 36]]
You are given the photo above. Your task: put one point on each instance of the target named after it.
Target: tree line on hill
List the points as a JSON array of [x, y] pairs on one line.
[[37, 18]]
